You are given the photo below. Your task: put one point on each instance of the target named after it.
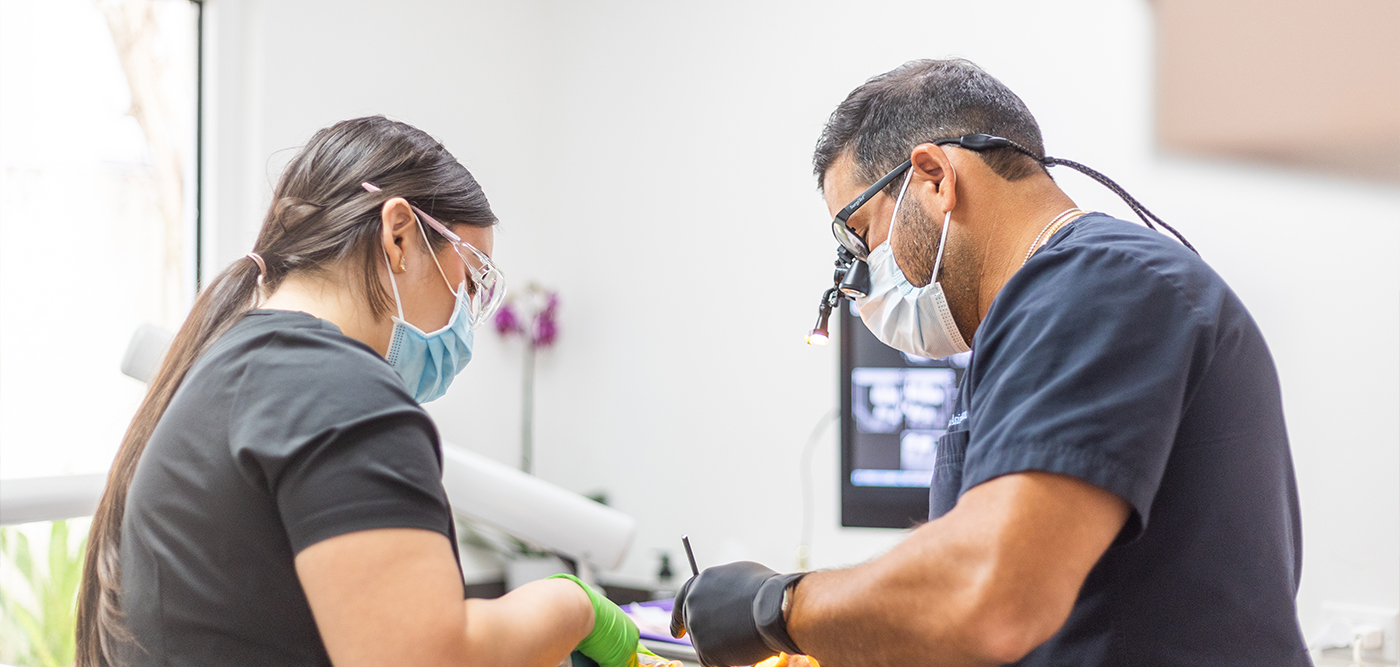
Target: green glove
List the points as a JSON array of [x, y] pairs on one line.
[[613, 642]]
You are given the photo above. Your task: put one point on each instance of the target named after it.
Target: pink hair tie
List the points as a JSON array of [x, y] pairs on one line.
[[262, 266]]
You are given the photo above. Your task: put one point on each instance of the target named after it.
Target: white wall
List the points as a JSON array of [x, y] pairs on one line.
[[651, 162]]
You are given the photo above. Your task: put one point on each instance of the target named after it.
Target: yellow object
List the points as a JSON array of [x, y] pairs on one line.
[[650, 659], [785, 660]]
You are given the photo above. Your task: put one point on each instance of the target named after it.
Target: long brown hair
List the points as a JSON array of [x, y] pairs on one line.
[[320, 217]]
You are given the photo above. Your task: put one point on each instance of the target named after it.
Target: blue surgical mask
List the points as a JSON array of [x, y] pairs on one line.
[[427, 362]]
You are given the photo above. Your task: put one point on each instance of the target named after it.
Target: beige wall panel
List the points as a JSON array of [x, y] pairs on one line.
[[1306, 83]]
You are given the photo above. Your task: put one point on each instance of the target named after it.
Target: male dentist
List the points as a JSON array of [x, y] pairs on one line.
[[1115, 487]]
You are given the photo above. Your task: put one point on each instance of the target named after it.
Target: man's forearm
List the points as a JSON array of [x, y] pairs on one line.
[[895, 609], [984, 585]]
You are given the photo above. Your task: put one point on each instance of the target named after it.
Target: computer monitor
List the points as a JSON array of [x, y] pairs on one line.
[[894, 407]]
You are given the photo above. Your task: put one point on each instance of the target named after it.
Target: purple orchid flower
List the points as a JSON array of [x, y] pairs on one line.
[[546, 329], [507, 322], [542, 327]]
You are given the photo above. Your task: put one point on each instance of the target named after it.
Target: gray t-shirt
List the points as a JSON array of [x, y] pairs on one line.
[[286, 433]]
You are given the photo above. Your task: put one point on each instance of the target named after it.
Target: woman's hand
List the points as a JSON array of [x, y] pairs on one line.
[[613, 640]]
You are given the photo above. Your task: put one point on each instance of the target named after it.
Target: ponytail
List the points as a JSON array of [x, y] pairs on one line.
[[99, 626]]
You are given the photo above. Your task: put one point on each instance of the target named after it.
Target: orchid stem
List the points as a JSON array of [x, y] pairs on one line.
[[527, 411]]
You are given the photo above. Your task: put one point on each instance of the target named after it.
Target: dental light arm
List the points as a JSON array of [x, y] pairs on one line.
[[534, 510]]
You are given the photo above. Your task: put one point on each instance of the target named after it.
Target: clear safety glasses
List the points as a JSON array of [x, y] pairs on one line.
[[847, 237], [487, 288], [488, 284]]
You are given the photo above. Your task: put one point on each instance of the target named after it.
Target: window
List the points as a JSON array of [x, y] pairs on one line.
[[98, 234], [98, 155]]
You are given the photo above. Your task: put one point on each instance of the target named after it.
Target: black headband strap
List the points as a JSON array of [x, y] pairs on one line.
[[984, 142]]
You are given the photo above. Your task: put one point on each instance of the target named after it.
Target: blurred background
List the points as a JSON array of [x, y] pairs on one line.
[[650, 164]]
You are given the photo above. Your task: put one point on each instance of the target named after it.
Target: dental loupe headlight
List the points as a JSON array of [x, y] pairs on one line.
[[852, 281], [852, 276]]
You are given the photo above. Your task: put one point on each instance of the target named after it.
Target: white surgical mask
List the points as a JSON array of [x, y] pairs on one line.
[[910, 319]]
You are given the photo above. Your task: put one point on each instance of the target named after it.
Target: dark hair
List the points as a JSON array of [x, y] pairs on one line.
[[320, 216], [883, 119]]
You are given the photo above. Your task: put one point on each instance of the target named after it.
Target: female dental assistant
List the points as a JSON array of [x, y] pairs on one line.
[[278, 497]]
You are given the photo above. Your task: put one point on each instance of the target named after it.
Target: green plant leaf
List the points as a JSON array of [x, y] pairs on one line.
[[34, 628], [46, 630], [24, 560]]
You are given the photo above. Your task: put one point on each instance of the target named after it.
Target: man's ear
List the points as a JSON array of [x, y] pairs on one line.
[[397, 218], [934, 173]]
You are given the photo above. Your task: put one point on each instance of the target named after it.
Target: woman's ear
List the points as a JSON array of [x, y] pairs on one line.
[[934, 172], [397, 218]]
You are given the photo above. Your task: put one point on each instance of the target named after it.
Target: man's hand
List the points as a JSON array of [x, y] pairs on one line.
[[983, 585], [733, 614]]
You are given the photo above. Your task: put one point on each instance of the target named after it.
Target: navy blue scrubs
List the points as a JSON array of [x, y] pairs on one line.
[[1118, 357]]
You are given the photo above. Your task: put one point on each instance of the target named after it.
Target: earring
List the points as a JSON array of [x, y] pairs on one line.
[[401, 266]]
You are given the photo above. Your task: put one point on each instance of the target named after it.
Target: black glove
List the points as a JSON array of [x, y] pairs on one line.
[[733, 614]]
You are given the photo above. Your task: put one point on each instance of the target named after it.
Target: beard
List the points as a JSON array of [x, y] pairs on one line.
[[914, 243]]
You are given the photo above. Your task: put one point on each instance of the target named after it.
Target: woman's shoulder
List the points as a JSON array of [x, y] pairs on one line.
[[284, 360]]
